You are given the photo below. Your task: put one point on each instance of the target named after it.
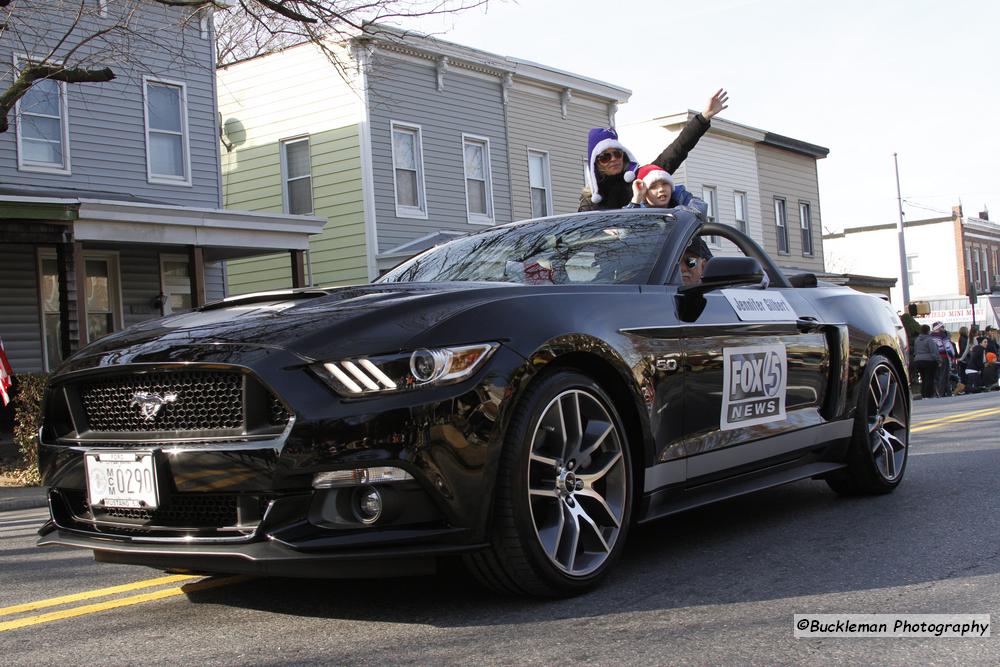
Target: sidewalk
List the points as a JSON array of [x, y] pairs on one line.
[[21, 498]]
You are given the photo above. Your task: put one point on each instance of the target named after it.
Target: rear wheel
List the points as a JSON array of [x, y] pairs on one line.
[[879, 448], [564, 492]]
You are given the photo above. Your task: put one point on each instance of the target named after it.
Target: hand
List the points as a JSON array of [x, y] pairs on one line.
[[638, 191], [716, 103]]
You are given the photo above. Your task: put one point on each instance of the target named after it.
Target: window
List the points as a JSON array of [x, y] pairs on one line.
[[740, 202], [538, 181], [296, 175], [708, 194], [175, 274], [408, 171], [805, 221], [43, 128], [167, 155], [969, 278], [912, 269], [780, 225], [100, 293], [478, 187]]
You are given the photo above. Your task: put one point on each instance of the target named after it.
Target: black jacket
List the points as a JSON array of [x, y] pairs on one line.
[[977, 358], [617, 193]]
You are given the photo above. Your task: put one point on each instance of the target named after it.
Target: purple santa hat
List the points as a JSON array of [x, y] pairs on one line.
[[599, 140]]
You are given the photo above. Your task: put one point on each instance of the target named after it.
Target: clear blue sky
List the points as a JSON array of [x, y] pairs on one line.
[[864, 78]]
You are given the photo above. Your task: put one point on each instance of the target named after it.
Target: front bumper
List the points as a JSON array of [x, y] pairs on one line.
[[248, 506]]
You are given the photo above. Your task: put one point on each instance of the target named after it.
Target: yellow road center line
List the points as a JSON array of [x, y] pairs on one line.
[[939, 423], [959, 415], [122, 602], [98, 593]]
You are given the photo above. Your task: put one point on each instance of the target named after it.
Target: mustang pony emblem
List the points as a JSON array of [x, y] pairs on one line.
[[150, 404]]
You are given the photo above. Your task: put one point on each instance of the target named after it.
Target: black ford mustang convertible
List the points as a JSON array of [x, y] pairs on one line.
[[519, 397]]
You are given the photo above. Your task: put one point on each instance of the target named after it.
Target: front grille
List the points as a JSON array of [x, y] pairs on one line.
[[171, 401], [180, 510]]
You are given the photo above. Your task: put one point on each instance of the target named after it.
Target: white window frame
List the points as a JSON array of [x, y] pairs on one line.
[[161, 179], [781, 226], [710, 195], [912, 268], [114, 289], [286, 198], [478, 218], [806, 207], [742, 224], [167, 289], [546, 177], [420, 210], [39, 167]]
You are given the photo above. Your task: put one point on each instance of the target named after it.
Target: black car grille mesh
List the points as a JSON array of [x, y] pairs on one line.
[[279, 416], [188, 401], [182, 511]]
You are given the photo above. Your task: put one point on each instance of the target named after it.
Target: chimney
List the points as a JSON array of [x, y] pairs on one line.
[[956, 211], [985, 213]]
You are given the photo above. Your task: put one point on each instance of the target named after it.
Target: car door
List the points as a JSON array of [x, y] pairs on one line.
[[755, 368]]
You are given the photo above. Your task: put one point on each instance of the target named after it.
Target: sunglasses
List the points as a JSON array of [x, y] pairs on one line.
[[608, 156], [690, 262]]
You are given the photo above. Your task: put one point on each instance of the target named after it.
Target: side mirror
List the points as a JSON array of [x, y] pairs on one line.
[[727, 272]]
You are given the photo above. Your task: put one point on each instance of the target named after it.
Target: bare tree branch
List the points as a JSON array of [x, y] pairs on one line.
[[32, 73]]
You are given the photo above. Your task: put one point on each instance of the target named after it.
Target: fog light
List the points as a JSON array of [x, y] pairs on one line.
[[367, 504]]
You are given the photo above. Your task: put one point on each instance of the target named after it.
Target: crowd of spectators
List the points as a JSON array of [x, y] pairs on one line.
[[943, 365]]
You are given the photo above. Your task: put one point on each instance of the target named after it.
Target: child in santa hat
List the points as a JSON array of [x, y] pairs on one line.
[[655, 188]]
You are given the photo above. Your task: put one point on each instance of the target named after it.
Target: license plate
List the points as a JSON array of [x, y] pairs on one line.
[[121, 479]]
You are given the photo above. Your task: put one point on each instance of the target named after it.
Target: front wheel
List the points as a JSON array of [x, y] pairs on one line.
[[879, 448], [564, 491]]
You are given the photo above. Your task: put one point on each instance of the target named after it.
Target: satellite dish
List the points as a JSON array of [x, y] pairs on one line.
[[232, 133]]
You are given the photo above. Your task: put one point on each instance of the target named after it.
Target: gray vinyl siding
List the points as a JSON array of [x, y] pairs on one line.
[[20, 323], [792, 177], [215, 282], [139, 277], [406, 92], [107, 143], [535, 123]]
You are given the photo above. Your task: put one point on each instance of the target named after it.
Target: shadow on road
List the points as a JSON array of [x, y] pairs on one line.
[[798, 540]]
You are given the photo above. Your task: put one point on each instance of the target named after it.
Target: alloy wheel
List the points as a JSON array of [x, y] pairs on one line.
[[888, 431], [577, 482]]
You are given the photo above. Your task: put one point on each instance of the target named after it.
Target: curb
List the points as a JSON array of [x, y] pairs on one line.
[[23, 501]]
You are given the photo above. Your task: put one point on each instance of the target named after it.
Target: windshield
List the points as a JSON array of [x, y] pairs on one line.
[[602, 249]]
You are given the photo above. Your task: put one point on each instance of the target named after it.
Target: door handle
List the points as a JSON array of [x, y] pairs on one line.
[[808, 324]]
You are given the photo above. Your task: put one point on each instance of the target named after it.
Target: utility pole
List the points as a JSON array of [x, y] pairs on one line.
[[902, 242]]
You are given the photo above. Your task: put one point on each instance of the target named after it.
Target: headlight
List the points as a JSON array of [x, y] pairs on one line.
[[402, 372]]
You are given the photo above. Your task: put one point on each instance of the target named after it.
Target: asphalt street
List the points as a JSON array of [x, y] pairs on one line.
[[718, 585]]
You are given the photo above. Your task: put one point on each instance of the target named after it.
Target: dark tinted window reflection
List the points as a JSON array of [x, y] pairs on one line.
[[597, 250]]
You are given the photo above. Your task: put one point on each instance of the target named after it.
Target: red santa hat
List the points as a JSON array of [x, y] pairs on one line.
[[652, 173]]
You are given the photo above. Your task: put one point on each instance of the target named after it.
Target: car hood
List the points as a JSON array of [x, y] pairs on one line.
[[311, 323]]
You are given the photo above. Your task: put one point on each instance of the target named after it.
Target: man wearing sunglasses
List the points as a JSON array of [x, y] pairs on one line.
[[693, 261], [611, 166]]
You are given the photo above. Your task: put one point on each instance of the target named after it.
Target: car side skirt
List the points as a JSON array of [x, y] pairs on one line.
[[682, 484]]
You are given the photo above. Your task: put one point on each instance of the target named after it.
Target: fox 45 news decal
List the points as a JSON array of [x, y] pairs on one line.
[[755, 380]]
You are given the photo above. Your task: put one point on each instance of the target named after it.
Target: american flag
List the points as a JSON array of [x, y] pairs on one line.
[[6, 375]]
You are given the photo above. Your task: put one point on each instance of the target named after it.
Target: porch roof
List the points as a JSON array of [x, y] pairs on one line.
[[221, 233]]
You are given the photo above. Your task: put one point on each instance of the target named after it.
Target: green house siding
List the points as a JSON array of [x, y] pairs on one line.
[[252, 181]]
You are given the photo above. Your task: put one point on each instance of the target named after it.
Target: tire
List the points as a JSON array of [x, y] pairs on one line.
[[564, 492], [879, 449]]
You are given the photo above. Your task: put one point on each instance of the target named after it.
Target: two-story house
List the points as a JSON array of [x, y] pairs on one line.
[[414, 141], [110, 193], [763, 183]]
